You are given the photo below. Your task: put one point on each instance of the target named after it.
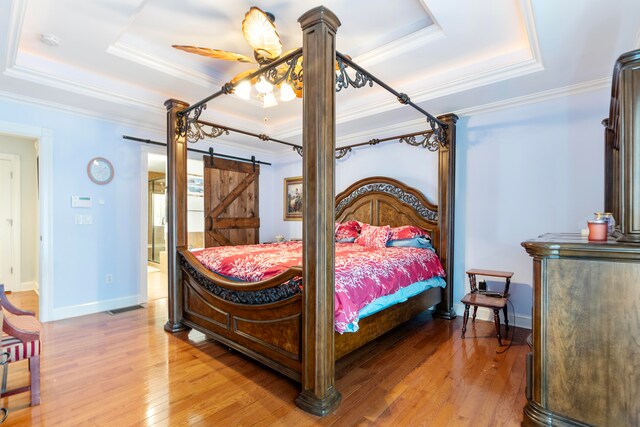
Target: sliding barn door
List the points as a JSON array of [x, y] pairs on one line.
[[231, 215]]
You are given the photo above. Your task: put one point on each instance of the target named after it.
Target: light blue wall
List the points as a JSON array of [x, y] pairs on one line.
[[84, 254], [521, 172]]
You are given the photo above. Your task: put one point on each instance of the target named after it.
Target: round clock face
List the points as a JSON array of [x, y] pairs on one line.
[[100, 170]]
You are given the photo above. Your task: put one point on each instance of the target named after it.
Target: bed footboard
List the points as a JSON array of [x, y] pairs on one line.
[[269, 333]]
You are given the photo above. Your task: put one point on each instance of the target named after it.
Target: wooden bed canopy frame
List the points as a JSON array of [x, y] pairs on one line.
[[296, 336]]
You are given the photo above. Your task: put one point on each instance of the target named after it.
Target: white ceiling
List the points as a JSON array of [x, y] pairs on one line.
[[115, 58]]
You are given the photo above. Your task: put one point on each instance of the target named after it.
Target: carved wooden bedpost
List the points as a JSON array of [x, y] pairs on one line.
[[177, 203], [446, 204], [318, 395]]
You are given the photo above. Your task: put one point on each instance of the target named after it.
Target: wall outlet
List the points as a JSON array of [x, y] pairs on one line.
[[108, 278]]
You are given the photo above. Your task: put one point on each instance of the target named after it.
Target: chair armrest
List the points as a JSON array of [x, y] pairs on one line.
[[6, 304], [22, 334]]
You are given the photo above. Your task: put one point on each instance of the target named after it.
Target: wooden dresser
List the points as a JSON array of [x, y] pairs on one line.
[[584, 368]]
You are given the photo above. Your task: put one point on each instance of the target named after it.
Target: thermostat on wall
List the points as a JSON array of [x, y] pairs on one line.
[[81, 202]]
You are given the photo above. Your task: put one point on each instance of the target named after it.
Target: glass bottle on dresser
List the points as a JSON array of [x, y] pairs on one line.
[[608, 217]]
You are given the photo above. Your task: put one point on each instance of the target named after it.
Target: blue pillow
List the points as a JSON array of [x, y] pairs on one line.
[[346, 240], [415, 242]]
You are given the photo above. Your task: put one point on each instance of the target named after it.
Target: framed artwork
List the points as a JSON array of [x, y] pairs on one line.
[[195, 185], [293, 199]]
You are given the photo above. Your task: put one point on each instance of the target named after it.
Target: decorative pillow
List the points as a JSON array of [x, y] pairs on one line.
[[407, 232], [415, 242], [347, 231], [372, 236]]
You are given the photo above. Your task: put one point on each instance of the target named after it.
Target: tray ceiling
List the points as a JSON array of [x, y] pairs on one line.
[[115, 59]]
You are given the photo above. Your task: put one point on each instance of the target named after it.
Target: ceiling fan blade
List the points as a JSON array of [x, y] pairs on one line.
[[242, 75], [215, 53], [261, 34]]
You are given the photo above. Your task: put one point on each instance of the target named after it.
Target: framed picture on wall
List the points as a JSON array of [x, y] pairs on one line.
[[293, 199], [195, 185]]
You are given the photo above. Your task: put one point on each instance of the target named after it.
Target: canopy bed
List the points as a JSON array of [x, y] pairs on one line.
[[289, 327]]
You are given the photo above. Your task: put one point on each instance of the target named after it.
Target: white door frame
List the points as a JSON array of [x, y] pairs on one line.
[[145, 150], [16, 260], [44, 140]]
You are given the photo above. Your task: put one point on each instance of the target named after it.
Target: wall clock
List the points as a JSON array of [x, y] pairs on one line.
[[100, 170]]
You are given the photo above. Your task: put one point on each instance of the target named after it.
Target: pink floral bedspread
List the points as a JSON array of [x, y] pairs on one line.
[[362, 274]]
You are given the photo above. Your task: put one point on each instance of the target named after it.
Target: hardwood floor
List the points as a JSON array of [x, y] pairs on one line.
[[156, 285], [125, 370]]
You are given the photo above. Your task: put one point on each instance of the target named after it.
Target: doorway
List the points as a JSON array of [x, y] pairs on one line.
[[154, 238], [9, 220], [36, 220], [156, 227], [157, 217]]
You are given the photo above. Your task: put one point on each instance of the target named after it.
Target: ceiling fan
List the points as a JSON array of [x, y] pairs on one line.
[[260, 32]]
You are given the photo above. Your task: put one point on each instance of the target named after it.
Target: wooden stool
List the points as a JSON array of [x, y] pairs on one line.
[[477, 299]]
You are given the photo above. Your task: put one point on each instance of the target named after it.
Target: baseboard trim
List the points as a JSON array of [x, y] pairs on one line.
[[93, 307], [486, 314], [26, 286]]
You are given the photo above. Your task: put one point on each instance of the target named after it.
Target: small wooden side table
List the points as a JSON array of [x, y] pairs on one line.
[[495, 302]]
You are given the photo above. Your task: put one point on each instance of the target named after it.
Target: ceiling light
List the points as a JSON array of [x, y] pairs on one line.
[[243, 90], [269, 100], [263, 86], [286, 92], [50, 39]]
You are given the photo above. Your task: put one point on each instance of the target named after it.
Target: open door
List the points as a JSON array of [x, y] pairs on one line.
[[230, 202]]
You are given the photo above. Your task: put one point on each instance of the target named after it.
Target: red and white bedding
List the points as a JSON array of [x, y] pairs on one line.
[[362, 273]]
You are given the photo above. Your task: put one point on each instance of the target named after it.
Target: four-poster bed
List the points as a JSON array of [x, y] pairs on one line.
[[293, 332]]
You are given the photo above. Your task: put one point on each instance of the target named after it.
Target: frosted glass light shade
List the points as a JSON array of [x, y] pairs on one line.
[[269, 100], [243, 90], [286, 92], [263, 86]]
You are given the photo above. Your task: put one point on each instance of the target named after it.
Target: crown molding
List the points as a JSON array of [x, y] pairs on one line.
[[537, 97], [531, 65], [138, 56], [530, 27], [454, 86], [408, 43], [417, 124], [18, 10], [404, 44], [10, 96], [16, 18], [35, 76], [157, 129]]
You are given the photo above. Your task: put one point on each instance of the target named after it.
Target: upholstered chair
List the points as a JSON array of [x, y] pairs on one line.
[[3, 361], [21, 341]]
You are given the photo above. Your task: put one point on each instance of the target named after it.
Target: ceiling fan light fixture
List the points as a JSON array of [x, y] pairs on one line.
[[286, 92], [243, 90], [263, 86], [269, 100]]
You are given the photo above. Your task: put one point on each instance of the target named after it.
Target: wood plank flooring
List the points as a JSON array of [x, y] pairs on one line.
[[124, 370]]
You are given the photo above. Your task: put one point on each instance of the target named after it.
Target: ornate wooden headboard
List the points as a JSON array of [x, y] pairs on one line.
[[380, 200]]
